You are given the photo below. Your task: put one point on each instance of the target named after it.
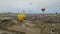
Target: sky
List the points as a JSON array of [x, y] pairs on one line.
[[30, 6]]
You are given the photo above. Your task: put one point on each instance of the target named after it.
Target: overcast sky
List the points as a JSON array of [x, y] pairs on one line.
[[51, 6]]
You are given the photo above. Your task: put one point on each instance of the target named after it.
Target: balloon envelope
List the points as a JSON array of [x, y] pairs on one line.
[[23, 11], [21, 17], [30, 3], [43, 9]]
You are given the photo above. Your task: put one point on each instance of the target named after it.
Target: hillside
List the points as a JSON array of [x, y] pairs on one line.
[[32, 24]]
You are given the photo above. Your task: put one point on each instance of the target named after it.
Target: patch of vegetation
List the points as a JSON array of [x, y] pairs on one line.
[[17, 32], [13, 31], [4, 26], [4, 33], [38, 24]]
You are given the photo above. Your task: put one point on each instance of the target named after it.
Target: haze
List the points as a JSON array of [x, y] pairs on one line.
[[16, 6]]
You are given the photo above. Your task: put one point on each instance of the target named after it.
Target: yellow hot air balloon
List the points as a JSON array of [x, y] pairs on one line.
[[21, 17]]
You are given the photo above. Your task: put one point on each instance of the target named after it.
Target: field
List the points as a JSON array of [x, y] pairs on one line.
[[32, 24]]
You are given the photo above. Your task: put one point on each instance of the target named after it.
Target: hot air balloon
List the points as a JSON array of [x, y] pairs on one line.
[[23, 11], [30, 3], [43, 9], [56, 13], [21, 17]]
